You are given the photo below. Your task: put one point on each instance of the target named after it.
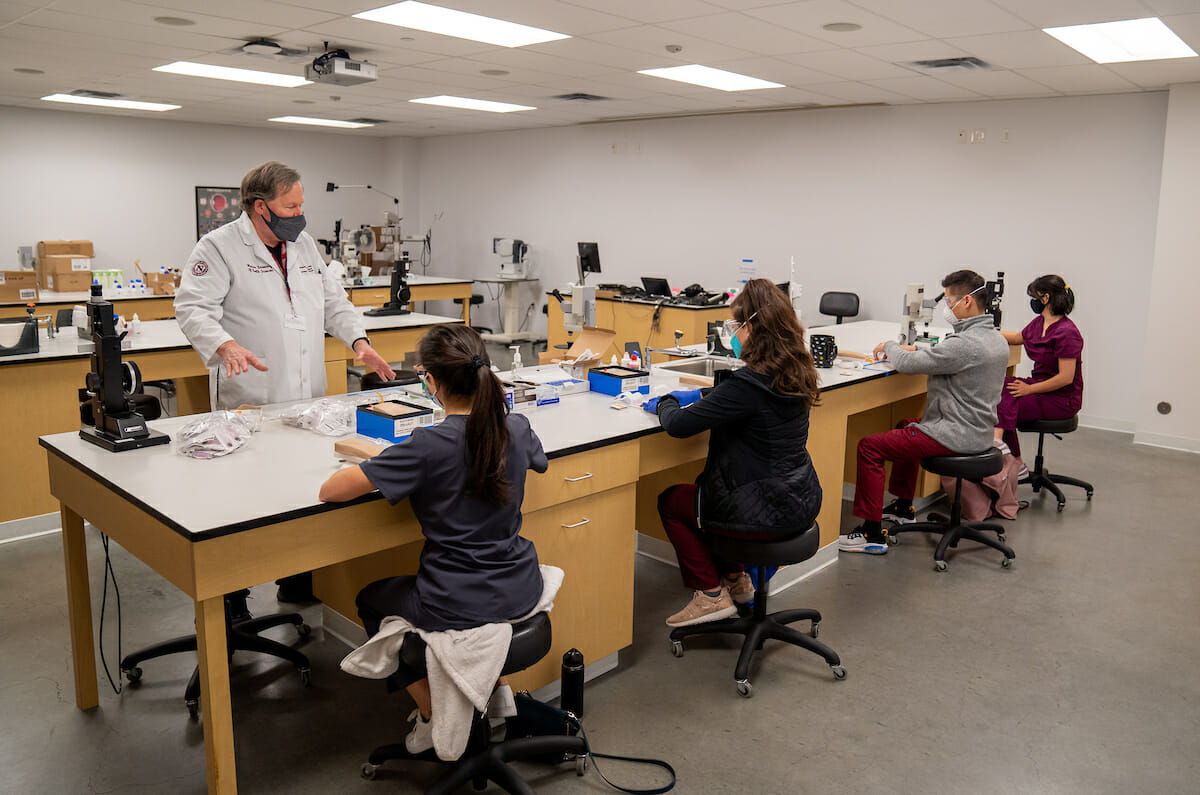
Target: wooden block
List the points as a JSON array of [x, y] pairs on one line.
[[357, 449]]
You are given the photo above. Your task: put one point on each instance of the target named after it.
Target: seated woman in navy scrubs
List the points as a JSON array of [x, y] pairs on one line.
[[1054, 391], [465, 481]]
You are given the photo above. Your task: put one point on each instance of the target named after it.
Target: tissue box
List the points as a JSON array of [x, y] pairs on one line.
[[391, 420], [615, 380], [520, 395]]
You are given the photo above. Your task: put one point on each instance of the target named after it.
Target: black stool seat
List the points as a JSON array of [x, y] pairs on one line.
[[374, 380], [476, 299], [1049, 426], [973, 467], [1039, 477], [483, 759], [756, 624]]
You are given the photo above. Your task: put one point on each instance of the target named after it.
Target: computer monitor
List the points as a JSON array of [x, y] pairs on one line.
[[589, 260], [656, 286]]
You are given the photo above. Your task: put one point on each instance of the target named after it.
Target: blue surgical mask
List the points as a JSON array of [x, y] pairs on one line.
[[285, 227], [735, 345]]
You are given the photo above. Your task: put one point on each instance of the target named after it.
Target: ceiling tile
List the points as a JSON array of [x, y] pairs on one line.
[[924, 50], [269, 14], [848, 65], [1044, 14], [849, 92], [653, 40], [1159, 74], [376, 34], [524, 58], [11, 12], [926, 88], [654, 11], [1186, 27], [775, 69], [747, 33], [809, 17], [1165, 7], [561, 17], [1078, 79], [944, 18], [998, 84], [1021, 50], [595, 52]]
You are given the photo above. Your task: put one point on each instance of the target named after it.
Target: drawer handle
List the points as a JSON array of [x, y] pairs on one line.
[[577, 524], [576, 480]]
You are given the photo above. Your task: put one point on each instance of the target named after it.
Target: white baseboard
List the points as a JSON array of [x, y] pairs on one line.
[[919, 503], [1106, 423], [1168, 442], [786, 577], [30, 527]]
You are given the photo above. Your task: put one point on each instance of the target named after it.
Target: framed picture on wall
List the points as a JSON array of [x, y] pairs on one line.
[[216, 207]]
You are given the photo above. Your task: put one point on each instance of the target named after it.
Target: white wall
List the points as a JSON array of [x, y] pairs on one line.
[[1169, 373], [866, 199], [128, 184]]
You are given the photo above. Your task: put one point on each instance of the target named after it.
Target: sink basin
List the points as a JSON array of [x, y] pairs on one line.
[[706, 366]]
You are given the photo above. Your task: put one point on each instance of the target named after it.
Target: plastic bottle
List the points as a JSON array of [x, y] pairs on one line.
[[572, 683], [135, 326], [626, 360], [635, 361], [613, 362], [117, 290]]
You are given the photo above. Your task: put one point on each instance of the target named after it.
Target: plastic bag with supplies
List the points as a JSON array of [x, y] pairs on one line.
[[213, 435], [326, 416]]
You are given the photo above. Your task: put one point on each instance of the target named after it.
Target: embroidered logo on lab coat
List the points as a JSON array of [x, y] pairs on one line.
[[200, 268]]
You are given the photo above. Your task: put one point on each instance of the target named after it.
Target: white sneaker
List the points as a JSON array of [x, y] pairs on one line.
[[857, 542], [420, 739]]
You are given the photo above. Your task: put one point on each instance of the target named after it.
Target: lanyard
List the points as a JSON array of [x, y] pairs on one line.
[[281, 260]]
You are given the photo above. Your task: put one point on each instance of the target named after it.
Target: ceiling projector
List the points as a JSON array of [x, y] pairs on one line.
[[338, 68]]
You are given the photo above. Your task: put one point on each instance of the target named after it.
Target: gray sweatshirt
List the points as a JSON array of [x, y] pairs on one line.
[[966, 376]]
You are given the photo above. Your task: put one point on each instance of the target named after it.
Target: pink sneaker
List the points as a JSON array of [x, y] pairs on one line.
[[704, 608], [741, 587]]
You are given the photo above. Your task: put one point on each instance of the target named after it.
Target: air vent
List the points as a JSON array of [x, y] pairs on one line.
[[579, 96], [367, 120], [966, 63], [83, 92]]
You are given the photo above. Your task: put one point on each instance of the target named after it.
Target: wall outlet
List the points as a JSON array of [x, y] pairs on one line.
[[979, 135], [964, 136], [1004, 136]]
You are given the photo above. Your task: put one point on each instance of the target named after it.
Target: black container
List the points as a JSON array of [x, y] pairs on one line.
[[572, 683], [824, 349]]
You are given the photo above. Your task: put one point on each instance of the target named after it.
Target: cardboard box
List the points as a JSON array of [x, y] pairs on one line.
[[64, 263], [67, 282], [391, 420], [594, 339], [18, 286], [162, 283], [78, 248]]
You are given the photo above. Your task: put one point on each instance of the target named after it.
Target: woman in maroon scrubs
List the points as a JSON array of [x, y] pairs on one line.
[[1054, 391]]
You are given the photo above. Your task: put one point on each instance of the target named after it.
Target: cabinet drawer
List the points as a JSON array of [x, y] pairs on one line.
[[579, 475], [370, 296]]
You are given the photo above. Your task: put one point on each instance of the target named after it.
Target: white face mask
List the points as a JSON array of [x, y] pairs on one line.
[[948, 308]]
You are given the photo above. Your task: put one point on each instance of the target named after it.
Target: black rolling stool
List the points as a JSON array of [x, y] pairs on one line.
[[373, 380], [241, 634], [757, 625], [484, 760], [1039, 477], [476, 299], [973, 467]]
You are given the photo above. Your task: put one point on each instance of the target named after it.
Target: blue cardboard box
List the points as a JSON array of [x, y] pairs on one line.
[[391, 420], [615, 380]]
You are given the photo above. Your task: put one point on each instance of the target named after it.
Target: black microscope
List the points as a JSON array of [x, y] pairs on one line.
[[109, 417], [399, 294]]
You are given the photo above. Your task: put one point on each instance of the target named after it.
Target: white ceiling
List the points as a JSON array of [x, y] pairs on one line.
[[112, 45]]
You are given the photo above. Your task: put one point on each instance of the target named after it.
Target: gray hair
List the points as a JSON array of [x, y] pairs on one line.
[[266, 182]]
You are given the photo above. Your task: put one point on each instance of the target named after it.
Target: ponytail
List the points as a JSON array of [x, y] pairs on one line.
[[455, 355]]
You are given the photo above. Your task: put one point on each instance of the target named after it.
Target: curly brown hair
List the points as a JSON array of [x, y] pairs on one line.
[[775, 346]]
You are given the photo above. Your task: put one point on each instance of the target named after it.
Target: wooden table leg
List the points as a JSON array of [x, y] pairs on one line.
[[79, 608], [215, 700]]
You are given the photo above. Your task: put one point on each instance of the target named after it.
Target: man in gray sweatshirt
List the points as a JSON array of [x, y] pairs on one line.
[[966, 375]]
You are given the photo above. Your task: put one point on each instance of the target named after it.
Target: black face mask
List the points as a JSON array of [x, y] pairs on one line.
[[1036, 305], [284, 228]]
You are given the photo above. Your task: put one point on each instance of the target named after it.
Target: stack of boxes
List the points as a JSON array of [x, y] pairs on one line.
[[64, 266]]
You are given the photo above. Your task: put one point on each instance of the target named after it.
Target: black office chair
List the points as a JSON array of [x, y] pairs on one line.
[[476, 300], [840, 305], [756, 624], [64, 318], [1039, 477], [973, 467], [241, 634], [484, 760]]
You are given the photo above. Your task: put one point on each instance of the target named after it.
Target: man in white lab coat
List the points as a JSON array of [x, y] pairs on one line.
[[256, 300]]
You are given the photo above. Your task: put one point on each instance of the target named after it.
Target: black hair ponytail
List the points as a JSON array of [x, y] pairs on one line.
[[1062, 297]]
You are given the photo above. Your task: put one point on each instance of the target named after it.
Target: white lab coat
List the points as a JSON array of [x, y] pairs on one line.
[[232, 289]]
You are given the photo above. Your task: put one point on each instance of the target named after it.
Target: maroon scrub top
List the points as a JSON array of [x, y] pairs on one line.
[[1061, 340]]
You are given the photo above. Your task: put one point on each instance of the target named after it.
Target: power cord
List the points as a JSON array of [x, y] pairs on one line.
[[117, 686]]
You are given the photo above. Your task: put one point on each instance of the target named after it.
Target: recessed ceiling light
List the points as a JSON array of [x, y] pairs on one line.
[[842, 27], [237, 75], [126, 104], [493, 72], [25, 70], [710, 78], [471, 104], [304, 101], [178, 22], [460, 24], [1129, 40], [349, 125]]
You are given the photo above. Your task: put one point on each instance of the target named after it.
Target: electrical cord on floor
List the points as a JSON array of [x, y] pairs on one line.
[[117, 686]]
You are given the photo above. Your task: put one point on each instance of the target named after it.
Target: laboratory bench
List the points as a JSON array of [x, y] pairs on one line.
[[375, 290]]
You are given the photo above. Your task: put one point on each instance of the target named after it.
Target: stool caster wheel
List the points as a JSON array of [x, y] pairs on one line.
[[1001, 538], [367, 771], [134, 674], [1089, 495], [303, 630], [1004, 564], [744, 688], [677, 648], [939, 565], [815, 630], [1061, 505], [193, 708], [839, 672], [581, 764], [306, 676]]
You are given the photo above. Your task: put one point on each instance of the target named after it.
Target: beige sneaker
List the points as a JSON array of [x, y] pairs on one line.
[[741, 587], [704, 608]]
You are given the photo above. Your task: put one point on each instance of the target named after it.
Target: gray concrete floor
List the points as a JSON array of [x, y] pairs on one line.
[[1072, 672]]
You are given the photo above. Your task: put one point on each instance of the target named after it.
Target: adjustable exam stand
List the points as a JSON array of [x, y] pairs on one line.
[[28, 341], [398, 293], [117, 426]]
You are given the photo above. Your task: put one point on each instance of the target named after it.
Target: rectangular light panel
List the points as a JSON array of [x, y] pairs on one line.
[[471, 104], [710, 78], [237, 75], [1119, 42], [460, 24], [126, 104], [348, 125]]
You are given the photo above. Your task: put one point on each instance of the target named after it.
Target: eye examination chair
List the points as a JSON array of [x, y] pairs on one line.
[[973, 467], [241, 634], [840, 305], [484, 760], [755, 623], [1039, 477]]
